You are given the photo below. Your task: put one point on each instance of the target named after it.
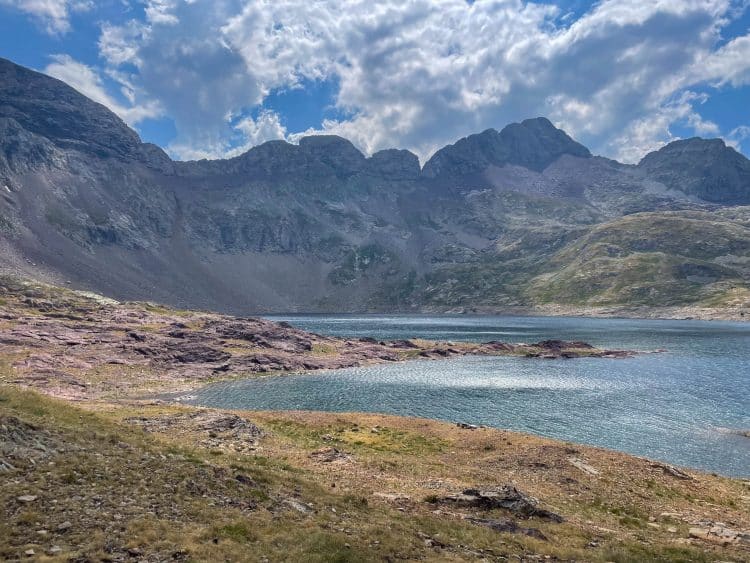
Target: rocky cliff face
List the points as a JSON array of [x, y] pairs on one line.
[[707, 169], [533, 144], [53, 110], [491, 221]]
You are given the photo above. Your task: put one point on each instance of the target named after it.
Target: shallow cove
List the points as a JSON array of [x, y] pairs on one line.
[[679, 406]]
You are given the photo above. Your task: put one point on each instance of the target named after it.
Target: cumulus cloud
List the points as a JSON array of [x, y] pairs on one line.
[[184, 62], [729, 65], [266, 127], [418, 74], [54, 15], [161, 11], [738, 136], [87, 81], [649, 133], [250, 131]]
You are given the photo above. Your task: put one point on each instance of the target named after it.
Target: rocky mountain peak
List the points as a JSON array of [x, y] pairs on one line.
[[50, 108], [533, 144], [334, 143], [705, 168], [336, 152], [536, 143], [394, 164]]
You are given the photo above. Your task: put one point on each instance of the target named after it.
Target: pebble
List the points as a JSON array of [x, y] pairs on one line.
[[27, 498]]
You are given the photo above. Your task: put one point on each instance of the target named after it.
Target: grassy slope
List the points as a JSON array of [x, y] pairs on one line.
[[668, 259], [651, 259], [178, 495]]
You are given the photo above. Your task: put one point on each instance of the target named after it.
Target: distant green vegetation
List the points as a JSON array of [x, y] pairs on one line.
[[649, 259], [359, 261]]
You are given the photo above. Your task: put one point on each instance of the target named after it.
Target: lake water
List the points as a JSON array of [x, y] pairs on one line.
[[678, 406]]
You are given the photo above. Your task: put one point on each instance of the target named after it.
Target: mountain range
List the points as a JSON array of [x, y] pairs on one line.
[[524, 218]]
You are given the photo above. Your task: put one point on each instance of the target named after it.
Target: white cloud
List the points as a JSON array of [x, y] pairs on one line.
[[738, 136], [119, 44], [418, 74], [187, 66], [266, 127], [161, 11], [729, 65], [650, 133], [84, 79], [54, 15]]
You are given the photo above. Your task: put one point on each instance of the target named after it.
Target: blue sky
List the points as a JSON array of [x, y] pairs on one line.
[[213, 78]]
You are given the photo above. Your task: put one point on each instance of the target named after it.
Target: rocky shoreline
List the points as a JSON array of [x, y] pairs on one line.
[[231, 485], [679, 313], [78, 346]]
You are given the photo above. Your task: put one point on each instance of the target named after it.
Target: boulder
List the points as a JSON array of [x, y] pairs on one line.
[[506, 498]]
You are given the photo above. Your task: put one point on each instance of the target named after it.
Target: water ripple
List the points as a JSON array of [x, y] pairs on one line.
[[670, 406]]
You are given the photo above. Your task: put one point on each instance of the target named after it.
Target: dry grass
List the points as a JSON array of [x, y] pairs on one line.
[[170, 495]]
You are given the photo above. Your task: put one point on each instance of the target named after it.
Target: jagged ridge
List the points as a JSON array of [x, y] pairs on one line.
[[320, 226]]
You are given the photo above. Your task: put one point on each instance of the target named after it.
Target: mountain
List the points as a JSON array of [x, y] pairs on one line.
[[533, 144], [707, 169], [51, 109], [517, 218]]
